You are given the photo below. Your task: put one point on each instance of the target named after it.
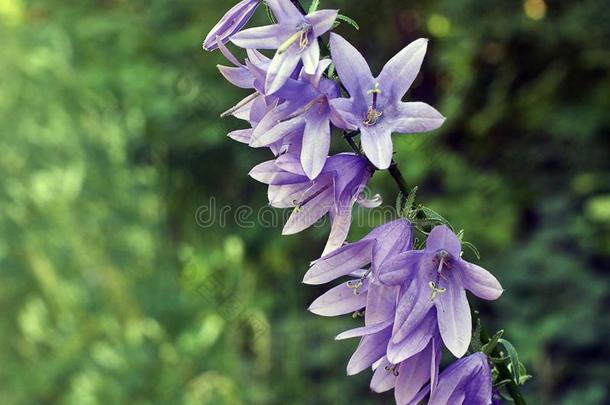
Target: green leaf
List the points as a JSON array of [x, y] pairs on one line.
[[410, 203], [493, 342], [434, 216], [514, 358], [314, 6], [331, 70], [348, 20]]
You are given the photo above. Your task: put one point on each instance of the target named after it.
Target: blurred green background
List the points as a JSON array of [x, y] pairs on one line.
[[110, 141]]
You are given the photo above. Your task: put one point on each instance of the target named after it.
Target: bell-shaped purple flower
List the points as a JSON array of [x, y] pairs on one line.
[[468, 381], [438, 277], [408, 377], [295, 38], [231, 23], [333, 192], [375, 107], [306, 111]]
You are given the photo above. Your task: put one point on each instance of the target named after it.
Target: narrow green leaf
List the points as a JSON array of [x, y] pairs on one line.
[[348, 20], [514, 358], [434, 216], [473, 248], [493, 342], [314, 6], [331, 70]]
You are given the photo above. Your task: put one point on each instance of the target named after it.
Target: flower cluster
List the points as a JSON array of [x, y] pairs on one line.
[[413, 299]]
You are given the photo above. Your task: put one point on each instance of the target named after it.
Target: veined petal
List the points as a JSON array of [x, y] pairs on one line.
[[241, 135], [322, 21], [281, 68], [395, 239], [364, 330], [265, 37], [320, 202], [237, 76], [402, 268], [341, 221], [316, 144], [230, 23], [341, 262], [416, 117], [413, 306], [454, 318], [341, 300], [269, 173], [479, 281], [443, 238], [290, 163], [416, 341], [380, 304], [383, 379], [400, 72], [284, 10], [370, 350], [262, 137], [311, 58], [342, 114], [377, 145], [466, 381], [413, 374], [353, 69]]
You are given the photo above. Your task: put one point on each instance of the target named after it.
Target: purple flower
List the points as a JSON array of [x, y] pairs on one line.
[[295, 38], [409, 376], [437, 277], [465, 382], [334, 191], [233, 21], [306, 111], [379, 245], [375, 107]]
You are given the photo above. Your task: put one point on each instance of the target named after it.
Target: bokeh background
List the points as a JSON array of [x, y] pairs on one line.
[[117, 288]]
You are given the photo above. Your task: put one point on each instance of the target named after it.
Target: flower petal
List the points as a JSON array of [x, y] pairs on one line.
[[479, 281], [413, 306], [342, 114], [341, 221], [380, 303], [364, 330], [311, 58], [396, 238], [269, 173], [377, 145], [265, 37], [383, 379], [341, 262], [416, 117], [413, 374], [416, 341], [351, 66], [281, 68], [320, 200], [284, 10], [400, 72], [241, 135], [454, 318], [401, 269], [340, 300], [322, 21], [316, 144], [370, 350], [237, 76], [443, 238]]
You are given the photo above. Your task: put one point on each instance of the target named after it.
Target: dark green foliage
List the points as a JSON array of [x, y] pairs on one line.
[[110, 141]]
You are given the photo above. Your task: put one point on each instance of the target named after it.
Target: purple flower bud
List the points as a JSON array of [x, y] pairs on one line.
[[231, 23]]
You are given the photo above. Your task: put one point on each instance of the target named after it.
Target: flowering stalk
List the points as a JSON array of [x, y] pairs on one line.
[[412, 296]]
